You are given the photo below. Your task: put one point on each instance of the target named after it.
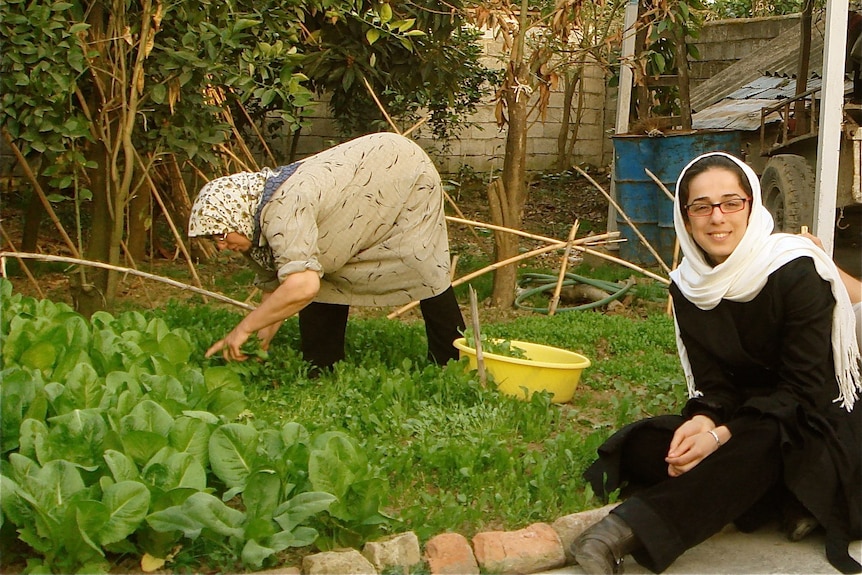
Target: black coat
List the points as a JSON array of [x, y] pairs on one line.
[[772, 357]]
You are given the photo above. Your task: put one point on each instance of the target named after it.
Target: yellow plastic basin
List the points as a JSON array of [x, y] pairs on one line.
[[545, 368]]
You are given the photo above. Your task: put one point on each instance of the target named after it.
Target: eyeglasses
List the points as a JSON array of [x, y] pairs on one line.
[[700, 210]]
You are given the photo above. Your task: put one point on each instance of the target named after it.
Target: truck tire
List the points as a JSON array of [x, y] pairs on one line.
[[787, 184]]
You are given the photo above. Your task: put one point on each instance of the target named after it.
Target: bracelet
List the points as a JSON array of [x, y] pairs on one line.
[[715, 436]]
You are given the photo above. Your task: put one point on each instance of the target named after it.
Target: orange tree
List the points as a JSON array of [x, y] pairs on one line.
[[97, 95]]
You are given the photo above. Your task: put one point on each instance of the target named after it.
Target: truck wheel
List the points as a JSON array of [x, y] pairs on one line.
[[788, 192]]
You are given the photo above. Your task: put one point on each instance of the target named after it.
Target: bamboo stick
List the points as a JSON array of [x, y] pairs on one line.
[[626, 218], [28, 171], [256, 130], [536, 252], [416, 125], [472, 228], [380, 106], [485, 270], [20, 261], [78, 261], [180, 243], [622, 262], [660, 184], [584, 240], [669, 195], [477, 338], [555, 300]]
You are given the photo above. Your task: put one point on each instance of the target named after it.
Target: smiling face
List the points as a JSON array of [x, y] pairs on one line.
[[719, 233]]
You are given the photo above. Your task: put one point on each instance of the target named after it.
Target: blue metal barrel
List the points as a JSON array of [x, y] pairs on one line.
[[641, 198]]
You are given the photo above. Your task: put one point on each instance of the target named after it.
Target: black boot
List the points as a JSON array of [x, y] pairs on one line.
[[601, 548]]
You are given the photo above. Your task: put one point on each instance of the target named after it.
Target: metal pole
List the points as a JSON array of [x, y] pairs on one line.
[[624, 94], [831, 119]]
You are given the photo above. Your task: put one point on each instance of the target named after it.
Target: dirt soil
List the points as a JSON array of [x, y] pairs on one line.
[[554, 203]]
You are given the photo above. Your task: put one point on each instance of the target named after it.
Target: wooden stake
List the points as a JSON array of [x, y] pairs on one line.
[[555, 300], [675, 263], [180, 243], [584, 240], [20, 261], [660, 184], [28, 171], [539, 251], [626, 218], [416, 125], [484, 270], [472, 228], [380, 106], [186, 287], [477, 336]]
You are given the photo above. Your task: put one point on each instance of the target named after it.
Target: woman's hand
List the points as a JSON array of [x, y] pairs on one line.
[[266, 334], [295, 292], [692, 442], [230, 345]]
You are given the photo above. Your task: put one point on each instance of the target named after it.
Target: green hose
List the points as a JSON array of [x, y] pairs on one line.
[[615, 290]]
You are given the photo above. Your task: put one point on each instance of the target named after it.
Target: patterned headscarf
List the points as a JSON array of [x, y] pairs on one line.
[[228, 204], [744, 273]]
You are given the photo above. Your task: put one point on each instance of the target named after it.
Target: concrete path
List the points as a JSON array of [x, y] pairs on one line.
[[766, 551]]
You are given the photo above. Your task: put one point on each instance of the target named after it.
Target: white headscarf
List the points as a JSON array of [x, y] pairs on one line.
[[744, 273]]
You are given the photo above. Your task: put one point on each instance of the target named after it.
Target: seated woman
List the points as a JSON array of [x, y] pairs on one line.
[[361, 223], [767, 343]]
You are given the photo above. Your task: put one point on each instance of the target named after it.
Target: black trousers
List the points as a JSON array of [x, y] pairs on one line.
[[672, 514], [322, 327]]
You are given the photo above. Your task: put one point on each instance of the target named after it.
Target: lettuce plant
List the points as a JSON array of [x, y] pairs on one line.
[[115, 441]]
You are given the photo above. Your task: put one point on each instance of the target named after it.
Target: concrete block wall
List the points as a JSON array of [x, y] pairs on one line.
[[481, 147], [723, 42]]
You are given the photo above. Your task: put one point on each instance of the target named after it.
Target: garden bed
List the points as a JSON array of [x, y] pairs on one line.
[[425, 449]]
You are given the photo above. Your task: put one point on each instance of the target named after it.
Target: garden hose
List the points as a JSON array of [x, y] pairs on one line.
[[549, 282]]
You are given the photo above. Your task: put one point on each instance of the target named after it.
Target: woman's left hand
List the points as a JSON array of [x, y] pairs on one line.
[[692, 442]]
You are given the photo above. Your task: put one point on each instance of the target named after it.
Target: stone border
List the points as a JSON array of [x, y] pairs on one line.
[[536, 548]]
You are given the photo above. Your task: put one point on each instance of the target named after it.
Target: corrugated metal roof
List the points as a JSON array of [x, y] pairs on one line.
[[730, 114], [777, 58], [740, 110]]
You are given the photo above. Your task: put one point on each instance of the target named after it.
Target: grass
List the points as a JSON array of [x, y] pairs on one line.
[[458, 456]]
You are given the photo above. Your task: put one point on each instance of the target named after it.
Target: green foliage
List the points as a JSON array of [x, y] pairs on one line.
[[667, 24], [496, 346], [239, 462], [455, 455], [114, 439], [416, 58], [721, 9]]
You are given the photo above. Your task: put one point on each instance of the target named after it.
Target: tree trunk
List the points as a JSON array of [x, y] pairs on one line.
[[88, 285], [32, 223], [511, 193], [572, 79], [140, 222]]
